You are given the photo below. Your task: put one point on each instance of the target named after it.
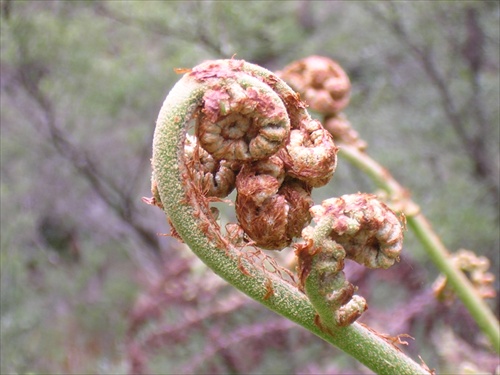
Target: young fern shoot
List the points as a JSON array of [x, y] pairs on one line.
[[252, 133]]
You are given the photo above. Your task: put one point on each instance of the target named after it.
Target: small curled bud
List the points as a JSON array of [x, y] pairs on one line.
[[273, 166], [367, 229], [238, 123], [476, 267], [270, 212], [217, 177], [320, 81], [261, 212], [310, 155]]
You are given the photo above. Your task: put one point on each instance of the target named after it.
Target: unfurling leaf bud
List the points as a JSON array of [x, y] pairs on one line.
[[238, 123], [369, 231]]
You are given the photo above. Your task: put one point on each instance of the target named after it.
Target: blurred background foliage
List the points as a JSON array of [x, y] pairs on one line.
[[88, 285]]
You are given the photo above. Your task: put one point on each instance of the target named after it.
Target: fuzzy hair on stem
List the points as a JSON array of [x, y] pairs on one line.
[[179, 192]]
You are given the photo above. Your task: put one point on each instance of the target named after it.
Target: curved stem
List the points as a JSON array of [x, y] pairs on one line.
[[435, 248], [191, 220]]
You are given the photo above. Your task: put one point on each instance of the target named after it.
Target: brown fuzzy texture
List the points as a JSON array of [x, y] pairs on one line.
[[216, 177], [321, 82], [270, 212], [298, 197], [304, 251]]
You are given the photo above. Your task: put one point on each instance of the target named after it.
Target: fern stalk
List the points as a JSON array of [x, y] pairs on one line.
[[191, 222]]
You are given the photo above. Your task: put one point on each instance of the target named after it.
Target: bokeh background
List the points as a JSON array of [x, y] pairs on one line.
[[88, 283]]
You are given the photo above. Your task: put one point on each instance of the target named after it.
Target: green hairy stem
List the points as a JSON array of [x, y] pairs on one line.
[[192, 222]]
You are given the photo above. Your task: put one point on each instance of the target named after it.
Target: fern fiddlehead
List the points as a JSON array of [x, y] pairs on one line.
[[253, 133]]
